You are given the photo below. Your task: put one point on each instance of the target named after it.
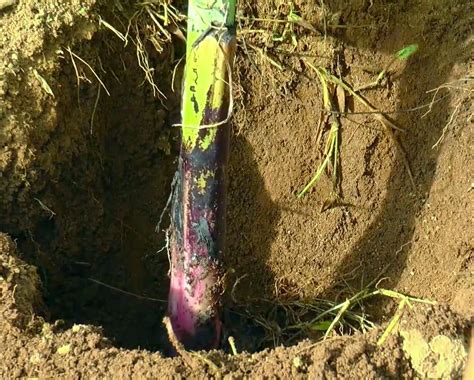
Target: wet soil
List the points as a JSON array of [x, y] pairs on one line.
[[84, 177]]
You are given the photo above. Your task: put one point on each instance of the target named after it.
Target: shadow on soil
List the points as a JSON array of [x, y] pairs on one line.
[[251, 218], [107, 198]]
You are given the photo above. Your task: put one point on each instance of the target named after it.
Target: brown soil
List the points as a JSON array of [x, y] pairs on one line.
[[84, 177]]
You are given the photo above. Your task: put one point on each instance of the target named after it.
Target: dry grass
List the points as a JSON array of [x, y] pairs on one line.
[[150, 24], [287, 321], [463, 90]]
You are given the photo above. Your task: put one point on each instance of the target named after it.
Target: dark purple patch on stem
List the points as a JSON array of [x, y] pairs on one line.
[[198, 238]]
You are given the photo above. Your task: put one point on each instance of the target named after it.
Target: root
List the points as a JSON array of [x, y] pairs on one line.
[[125, 291], [452, 86], [74, 55], [188, 356]]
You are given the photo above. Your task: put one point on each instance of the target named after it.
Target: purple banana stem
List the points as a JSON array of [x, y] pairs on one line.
[[198, 237]]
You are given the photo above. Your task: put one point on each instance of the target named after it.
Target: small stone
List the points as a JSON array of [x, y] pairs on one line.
[[297, 362], [64, 350]]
